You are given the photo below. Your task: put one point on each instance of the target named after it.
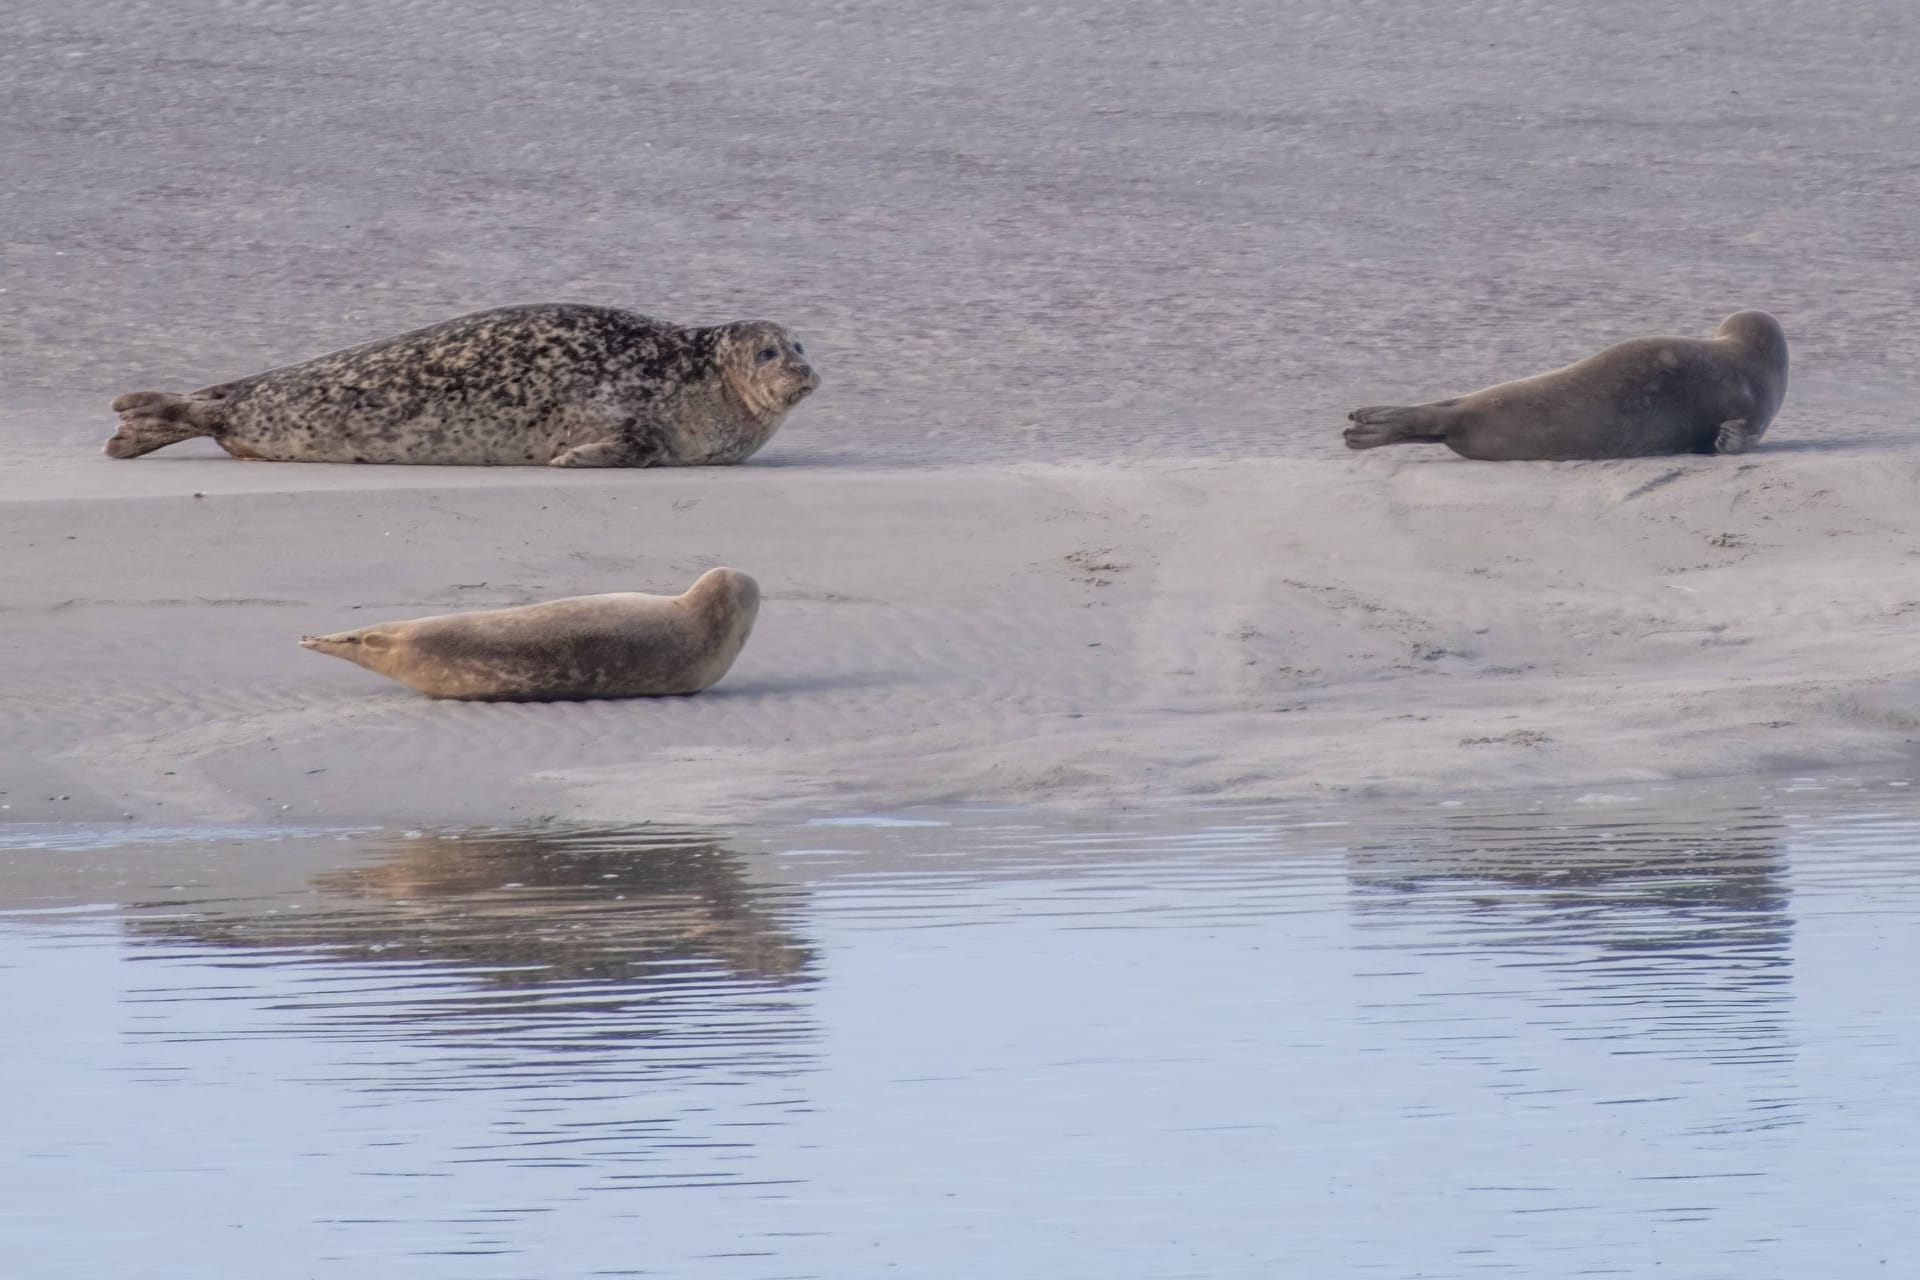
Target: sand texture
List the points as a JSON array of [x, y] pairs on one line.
[[1090, 287], [1082, 635]]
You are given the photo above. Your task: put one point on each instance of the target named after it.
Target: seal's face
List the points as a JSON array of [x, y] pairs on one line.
[[766, 365]]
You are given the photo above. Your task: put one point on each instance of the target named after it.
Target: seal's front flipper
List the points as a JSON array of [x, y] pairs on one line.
[[1734, 437], [1393, 424], [152, 420], [607, 453]]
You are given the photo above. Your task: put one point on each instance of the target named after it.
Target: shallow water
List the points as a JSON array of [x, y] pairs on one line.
[[1667, 1032]]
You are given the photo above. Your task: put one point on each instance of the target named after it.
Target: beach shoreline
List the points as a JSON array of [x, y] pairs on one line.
[[1117, 634]]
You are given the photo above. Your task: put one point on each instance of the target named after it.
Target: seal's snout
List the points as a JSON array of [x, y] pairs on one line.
[[809, 382]]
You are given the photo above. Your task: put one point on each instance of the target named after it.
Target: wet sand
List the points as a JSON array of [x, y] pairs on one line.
[[1069, 522]]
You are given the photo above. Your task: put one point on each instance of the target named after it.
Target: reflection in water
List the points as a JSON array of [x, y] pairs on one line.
[[524, 959], [1548, 1043], [1674, 936], [531, 907]]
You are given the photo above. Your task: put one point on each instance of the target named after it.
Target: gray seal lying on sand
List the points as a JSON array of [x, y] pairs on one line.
[[1643, 397], [623, 645], [554, 383]]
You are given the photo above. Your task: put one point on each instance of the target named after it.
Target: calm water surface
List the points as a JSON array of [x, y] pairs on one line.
[[1665, 1032]]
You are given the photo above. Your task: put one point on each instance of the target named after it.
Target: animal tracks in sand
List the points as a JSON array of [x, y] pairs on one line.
[[1096, 566]]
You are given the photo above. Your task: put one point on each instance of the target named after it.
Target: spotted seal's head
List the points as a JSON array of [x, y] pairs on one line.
[[766, 365]]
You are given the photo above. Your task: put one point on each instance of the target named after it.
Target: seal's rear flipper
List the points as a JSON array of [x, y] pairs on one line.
[[370, 647], [152, 420], [1393, 424], [329, 644]]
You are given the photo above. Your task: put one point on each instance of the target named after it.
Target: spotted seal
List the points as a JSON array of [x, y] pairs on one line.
[[623, 645], [557, 383], [1639, 398]]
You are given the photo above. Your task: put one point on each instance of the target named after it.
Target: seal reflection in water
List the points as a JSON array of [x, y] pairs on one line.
[[623, 645], [649, 905], [1661, 926], [554, 384], [1640, 398]]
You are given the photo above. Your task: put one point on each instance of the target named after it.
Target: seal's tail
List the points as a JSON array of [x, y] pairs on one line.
[[1394, 424], [152, 420]]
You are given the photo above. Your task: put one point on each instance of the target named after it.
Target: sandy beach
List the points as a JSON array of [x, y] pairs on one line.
[[1069, 522], [1118, 634]]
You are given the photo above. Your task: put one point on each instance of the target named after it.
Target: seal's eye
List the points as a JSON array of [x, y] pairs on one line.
[[766, 354], [799, 348]]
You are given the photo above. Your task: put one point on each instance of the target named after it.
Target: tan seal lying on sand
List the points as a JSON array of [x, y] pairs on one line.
[[624, 645], [1647, 396], [554, 384]]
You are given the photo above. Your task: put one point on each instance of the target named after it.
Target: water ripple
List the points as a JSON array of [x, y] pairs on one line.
[[1559, 1037]]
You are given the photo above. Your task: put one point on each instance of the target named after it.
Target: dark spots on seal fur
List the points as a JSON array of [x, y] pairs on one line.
[[505, 386]]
